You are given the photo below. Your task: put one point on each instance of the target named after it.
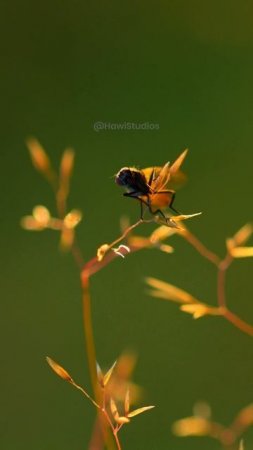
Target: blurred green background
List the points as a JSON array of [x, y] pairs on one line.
[[188, 66]]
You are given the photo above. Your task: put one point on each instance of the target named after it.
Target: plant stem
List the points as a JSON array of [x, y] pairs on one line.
[[237, 322], [222, 266], [117, 441], [91, 357], [201, 248], [88, 330], [221, 276]]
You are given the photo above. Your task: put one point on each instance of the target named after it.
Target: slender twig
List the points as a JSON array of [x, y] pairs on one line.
[[201, 248], [222, 267], [117, 440], [127, 231], [221, 279], [238, 322], [102, 410]]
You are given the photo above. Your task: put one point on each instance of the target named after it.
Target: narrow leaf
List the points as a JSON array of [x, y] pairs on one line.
[[191, 426], [139, 411], [166, 248], [101, 251], [241, 445], [161, 233], [241, 252], [245, 417], [243, 234], [108, 374], [170, 292], [72, 219], [121, 420], [184, 216], [67, 163], [59, 370], [100, 375], [127, 402], [38, 155], [114, 409], [200, 310]]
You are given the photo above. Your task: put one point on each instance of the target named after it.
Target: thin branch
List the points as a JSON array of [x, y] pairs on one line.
[[222, 267], [201, 248], [237, 322]]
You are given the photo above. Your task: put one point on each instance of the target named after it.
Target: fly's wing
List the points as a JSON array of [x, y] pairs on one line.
[[177, 164], [149, 174], [177, 180], [157, 177], [177, 177], [166, 177]]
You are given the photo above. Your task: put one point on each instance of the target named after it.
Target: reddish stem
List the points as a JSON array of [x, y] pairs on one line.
[[238, 323], [201, 248]]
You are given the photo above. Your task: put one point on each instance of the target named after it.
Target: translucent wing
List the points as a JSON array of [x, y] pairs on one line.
[[166, 177], [157, 177]]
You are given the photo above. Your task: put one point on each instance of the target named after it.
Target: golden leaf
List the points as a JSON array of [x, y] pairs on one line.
[[138, 411], [242, 235], [100, 375], [114, 409], [41, 215], [67, 163], [161, 233], [244, 417], [121, 420], [184, 216], [101, 251], [127, 401], [30, 224], [120, 379], [200, 309], [39, 220], [166, 248], [38, 155], [138, 241], [108, 374], [191, 426], [166, 221], [241, 445], [59, 370], [72, 219], [241, 252], [169, 292]]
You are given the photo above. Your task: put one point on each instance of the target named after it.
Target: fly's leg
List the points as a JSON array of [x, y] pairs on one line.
[[172, 199], [142, 202], [158, 211]]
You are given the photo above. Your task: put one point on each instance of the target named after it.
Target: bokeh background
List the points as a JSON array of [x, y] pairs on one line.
[[188, 66]]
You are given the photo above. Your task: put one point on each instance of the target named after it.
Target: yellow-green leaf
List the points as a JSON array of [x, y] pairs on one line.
[[59, 370], [200, 310], [169, 292], [127, 402], [138, 411], [114, 409], [241, 252], [108, 374]]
